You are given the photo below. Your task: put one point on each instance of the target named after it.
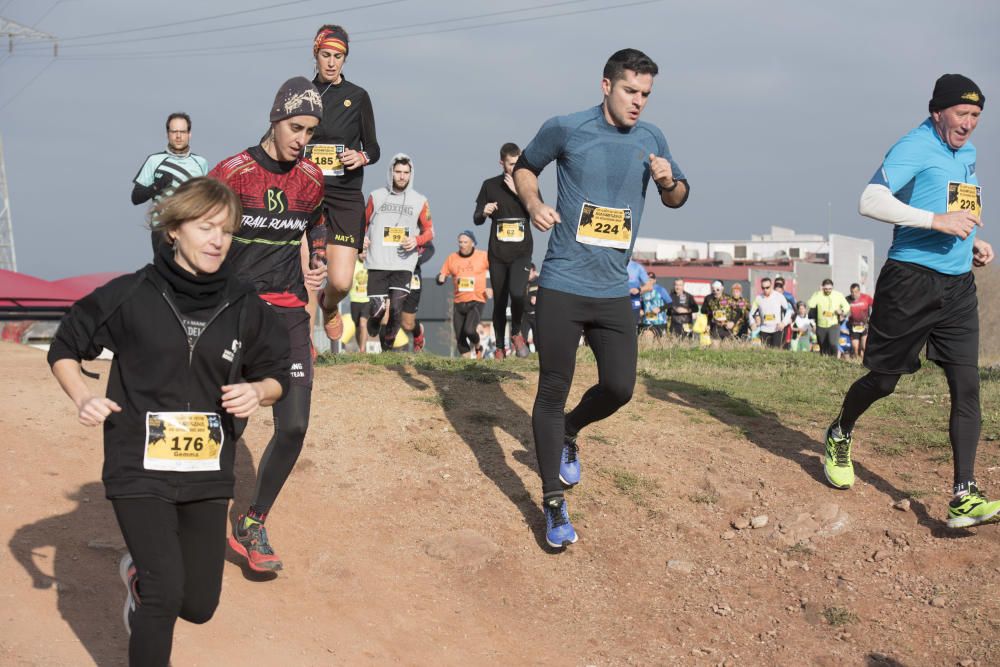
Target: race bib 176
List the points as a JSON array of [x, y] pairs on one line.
[[183, 441]]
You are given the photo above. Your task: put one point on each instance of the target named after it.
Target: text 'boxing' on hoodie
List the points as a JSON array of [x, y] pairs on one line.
[[391, 217]]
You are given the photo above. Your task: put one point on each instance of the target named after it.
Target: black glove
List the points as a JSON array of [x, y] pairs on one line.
[[440, 279]]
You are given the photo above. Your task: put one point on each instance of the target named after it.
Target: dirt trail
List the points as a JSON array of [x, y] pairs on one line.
[[411, 535]]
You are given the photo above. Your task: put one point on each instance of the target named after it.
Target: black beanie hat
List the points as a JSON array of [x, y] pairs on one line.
[[297, 97], [952, 89]]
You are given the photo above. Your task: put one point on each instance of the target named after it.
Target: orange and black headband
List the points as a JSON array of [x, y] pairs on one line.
[[332, 40]]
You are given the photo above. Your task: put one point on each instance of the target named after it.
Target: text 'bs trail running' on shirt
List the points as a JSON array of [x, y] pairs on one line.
[[281, 202]]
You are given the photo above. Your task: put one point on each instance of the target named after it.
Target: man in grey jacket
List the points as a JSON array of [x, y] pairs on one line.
[[398, 222]]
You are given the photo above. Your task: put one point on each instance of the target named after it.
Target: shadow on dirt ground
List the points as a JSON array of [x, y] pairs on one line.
[[766, 430], [83, 570], [474, 402]]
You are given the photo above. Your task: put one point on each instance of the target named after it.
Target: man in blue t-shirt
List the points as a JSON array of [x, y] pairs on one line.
[[605, 158], [925, 296], [163, 172]]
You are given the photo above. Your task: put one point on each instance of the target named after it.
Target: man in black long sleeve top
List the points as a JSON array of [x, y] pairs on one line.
[[509, 249]]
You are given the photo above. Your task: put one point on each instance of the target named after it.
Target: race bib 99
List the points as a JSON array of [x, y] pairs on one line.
[[393, 235]]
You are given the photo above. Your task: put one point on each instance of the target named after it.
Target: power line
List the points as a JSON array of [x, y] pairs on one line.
[[206, 31], [186, 21], [239, 49], [27, 85]]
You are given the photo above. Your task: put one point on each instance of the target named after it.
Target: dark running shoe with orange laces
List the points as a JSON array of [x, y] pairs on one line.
[[249, 539]]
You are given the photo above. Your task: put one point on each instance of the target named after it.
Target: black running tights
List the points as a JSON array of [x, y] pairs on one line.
[[179, 551], [387, 333], [291, 419], [509, 281], [963, 425], [609, 327], [466, 317]]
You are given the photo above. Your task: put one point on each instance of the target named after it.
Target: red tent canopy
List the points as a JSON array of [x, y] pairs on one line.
[[21, 290], [83, 285]]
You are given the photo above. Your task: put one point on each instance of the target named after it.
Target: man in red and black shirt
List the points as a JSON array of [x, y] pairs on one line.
[[280, 249], [857, 321]]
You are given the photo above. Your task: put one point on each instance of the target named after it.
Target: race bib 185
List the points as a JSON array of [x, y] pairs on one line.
[[326, 157]]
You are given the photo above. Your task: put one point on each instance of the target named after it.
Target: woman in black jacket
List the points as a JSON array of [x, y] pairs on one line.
[[195, 354]]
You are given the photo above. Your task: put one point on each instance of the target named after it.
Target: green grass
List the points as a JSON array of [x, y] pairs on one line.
[[638, 488], [838, 616], [755, 391], [704, 498]]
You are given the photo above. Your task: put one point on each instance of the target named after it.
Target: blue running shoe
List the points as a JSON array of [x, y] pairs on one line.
[[559, 531], [569, 464]]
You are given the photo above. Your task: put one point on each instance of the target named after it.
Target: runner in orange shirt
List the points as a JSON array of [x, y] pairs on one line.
[[469, 271]]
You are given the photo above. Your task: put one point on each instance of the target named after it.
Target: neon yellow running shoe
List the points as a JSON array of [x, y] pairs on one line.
[[971, 509], [837, 464]]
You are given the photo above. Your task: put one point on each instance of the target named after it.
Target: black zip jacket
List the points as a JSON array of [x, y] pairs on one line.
[[155, 369], [508, 206], [348, 119]]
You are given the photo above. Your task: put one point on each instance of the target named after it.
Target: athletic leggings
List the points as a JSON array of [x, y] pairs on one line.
[[963, 425], [509, 280], [291, 419], [387, 334], [466, 318], [179, 551], [609, 327]]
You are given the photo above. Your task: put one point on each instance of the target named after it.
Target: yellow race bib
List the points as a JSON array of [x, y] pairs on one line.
[[415, 282], [467, 284], [769, 317], [183, 441], [510, 230], [605, 227], [394, 235], [326, 157], [858, 328], [719, 316], [965, 197]]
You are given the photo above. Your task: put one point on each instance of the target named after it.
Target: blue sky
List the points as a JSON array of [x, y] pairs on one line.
[[779, 112]]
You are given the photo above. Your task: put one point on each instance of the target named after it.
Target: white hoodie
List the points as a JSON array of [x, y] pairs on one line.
[[393, 217]]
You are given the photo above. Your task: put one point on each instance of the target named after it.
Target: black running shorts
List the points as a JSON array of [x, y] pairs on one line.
[[380, 282], [412, 301], [359, 310], [345, 217], [297, 322], [917, 307]]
